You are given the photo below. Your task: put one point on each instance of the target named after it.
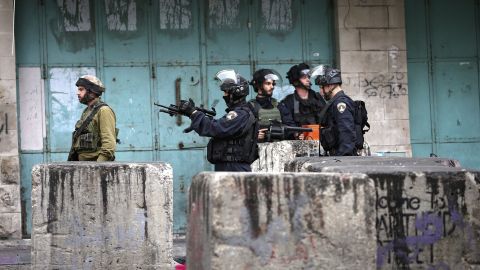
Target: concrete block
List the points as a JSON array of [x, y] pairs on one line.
[[425, 215], [363, 164], [273, 156], [8, 94], [6, 44], [9, 170], [15, 254], [10, 226], [382, 39], [396, 16], [7, 68], [349, 39], [363, 17], [399, 132], [10, 199], [363, 61], [281, 221], [102, 215]]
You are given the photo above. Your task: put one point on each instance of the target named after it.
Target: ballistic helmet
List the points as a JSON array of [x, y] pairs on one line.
[[232, 83], [92, 84], [296, 72], [261, 76], [326, 75]]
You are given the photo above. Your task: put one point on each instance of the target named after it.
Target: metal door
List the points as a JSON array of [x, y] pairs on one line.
[[443, 75], [150, 52]]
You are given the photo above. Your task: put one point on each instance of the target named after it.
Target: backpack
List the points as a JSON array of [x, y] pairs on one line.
[[361, 121]]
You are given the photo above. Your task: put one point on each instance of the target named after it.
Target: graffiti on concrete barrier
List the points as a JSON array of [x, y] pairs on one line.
[[409, 226], [385, 86]]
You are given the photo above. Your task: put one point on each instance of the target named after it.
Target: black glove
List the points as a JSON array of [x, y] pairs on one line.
[[186, 107]]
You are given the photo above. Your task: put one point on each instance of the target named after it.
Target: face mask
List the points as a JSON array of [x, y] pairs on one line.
[[227, 100]]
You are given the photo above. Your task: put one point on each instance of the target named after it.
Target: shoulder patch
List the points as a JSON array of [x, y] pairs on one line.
[[231, 115], [341, 106]]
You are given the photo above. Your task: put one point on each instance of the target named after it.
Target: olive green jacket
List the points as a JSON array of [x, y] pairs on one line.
[[102, 143]]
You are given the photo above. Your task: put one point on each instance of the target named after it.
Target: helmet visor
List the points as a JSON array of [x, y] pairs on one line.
[[317, 72], [226, 75], [304, 72], [274, 76]]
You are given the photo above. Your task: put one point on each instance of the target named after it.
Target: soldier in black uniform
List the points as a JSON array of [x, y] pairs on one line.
[[233, 143], [338, 126], [304, 105], [265, 106]]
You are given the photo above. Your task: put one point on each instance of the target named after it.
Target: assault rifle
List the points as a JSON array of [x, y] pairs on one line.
[[173, 110], [277, 131]]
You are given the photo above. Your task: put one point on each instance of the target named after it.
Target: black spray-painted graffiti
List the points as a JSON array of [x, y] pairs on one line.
[[3, 125], [408, 227], [385, 86]]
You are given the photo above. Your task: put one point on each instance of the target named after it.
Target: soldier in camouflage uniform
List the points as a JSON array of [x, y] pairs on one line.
[[97, 141]]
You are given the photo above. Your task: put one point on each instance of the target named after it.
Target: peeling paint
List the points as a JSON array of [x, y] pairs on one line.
[[121, 15], [277, 15], [75, 14], [175, 14], [223, 13]]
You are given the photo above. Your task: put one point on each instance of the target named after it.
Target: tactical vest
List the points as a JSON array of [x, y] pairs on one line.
[[306, 115], [89, 139], [242, 148], [265, 115]]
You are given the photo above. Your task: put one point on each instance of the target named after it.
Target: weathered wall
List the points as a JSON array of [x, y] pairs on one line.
[[10, 211], [281, 221], [415, 214], [102, 216], [372, 56], [273, 156]]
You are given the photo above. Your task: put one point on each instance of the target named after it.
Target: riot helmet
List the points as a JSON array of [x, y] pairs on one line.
[[326, 75], [91, 84], [233, 84], [262, 75], [296, 72]]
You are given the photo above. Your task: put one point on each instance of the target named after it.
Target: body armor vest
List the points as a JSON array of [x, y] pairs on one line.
[[89, 139], [306, 114], [265, 115], [242, 148]]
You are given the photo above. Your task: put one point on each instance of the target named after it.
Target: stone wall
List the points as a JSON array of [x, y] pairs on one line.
[[372, 56], [10, 211], [102, 216]]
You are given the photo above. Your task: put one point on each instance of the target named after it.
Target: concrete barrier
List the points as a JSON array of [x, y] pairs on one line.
[[102, 216], [281, 221], [375, 220], [273, 156], [364, 164]]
